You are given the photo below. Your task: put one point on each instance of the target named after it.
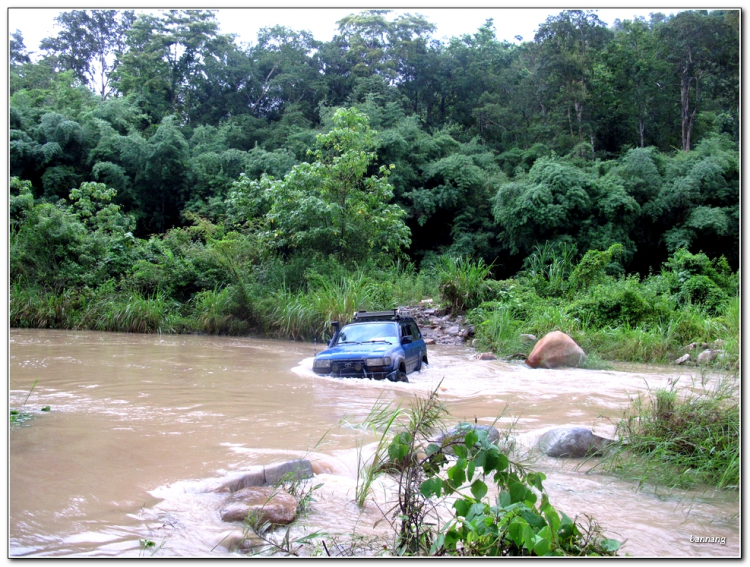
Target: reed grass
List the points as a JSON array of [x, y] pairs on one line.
[[679, 438]]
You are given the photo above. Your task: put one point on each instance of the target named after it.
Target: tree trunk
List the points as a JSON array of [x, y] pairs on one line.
[[688, 117]]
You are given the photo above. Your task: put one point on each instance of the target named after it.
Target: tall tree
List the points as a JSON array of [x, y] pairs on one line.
[[697, 46], [90, 44], [164, 55], [570, 43], [18, 53]]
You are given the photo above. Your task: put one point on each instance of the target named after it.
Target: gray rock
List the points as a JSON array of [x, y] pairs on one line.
[[572, 442], [299, 469], [429, 341], [458, 433], [269, 475], [453, 330], [691, 346], [707, 356], [683, 359], [525, 338], [718, 344], [271, 505]]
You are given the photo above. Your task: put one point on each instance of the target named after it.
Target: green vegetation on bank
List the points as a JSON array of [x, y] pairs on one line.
[[676, 437]]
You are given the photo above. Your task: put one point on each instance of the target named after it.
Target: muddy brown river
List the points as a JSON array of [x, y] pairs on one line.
[[142, 427]]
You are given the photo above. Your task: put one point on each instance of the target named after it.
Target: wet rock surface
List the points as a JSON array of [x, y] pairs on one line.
[[555, 349], [270, 504], [297, 470], [438, 326], [571, 442]]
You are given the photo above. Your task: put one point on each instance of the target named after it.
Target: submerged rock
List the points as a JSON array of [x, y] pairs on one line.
[[457, 434], [485, 356], [297, 470], [300, 469], [556, 349], [270, 504], [572, 442]]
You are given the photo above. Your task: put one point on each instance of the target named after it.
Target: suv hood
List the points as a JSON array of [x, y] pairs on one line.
[[363, 350]]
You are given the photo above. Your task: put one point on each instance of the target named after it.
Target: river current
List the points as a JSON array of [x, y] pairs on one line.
[[141, 428]]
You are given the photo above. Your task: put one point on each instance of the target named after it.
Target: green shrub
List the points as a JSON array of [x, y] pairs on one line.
[[462, 282], [702, 290], [621, 302]]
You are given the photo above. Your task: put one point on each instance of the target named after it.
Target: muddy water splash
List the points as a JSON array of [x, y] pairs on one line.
[[142, 427]]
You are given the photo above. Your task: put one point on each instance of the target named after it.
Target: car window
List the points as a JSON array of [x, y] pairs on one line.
[[415, 334], [362, 332], [405, 330]]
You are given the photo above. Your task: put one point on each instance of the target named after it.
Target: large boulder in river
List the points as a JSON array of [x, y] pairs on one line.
[[571, 442], [270, 504], [556, 349]]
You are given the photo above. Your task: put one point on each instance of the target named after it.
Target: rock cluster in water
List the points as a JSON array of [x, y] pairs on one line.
[[252, 494], [708, 353], [438, 326]]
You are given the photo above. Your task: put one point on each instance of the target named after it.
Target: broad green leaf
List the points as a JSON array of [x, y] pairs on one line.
[[517, 492], [457, 476], [460, 451], [462, 507], [610, 545], [542, 546], [471, 438], [451, 538], [431, 487], [504, 498], [478, 489], [432, 448]]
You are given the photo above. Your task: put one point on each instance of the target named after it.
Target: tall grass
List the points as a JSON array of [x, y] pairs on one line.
[[38, 309], [308, 314], [500, 332], [134, 314], [462, 281], [674, 438]]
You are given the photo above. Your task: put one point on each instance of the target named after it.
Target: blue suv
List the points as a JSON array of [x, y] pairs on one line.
[[375, 345]]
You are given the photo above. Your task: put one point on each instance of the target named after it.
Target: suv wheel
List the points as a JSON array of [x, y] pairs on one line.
[[402, 377]]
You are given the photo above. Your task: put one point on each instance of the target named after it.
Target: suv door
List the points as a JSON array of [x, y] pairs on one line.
[[411, 350], [421, 347]]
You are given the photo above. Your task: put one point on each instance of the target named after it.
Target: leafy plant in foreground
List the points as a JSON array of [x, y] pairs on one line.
[[517, 523]]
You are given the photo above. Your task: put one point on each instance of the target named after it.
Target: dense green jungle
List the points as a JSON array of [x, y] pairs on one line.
[[166, 179]]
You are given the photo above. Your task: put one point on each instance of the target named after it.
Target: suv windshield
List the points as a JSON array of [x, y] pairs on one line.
[[363, 332]]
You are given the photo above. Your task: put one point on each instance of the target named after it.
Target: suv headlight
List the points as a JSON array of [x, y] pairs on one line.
[[322, 363], [385, 361]]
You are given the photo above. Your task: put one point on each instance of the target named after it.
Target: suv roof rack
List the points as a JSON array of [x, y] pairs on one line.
[[391, 315]]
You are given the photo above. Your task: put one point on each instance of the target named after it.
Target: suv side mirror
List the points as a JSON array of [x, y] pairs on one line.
[[406, 340]]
